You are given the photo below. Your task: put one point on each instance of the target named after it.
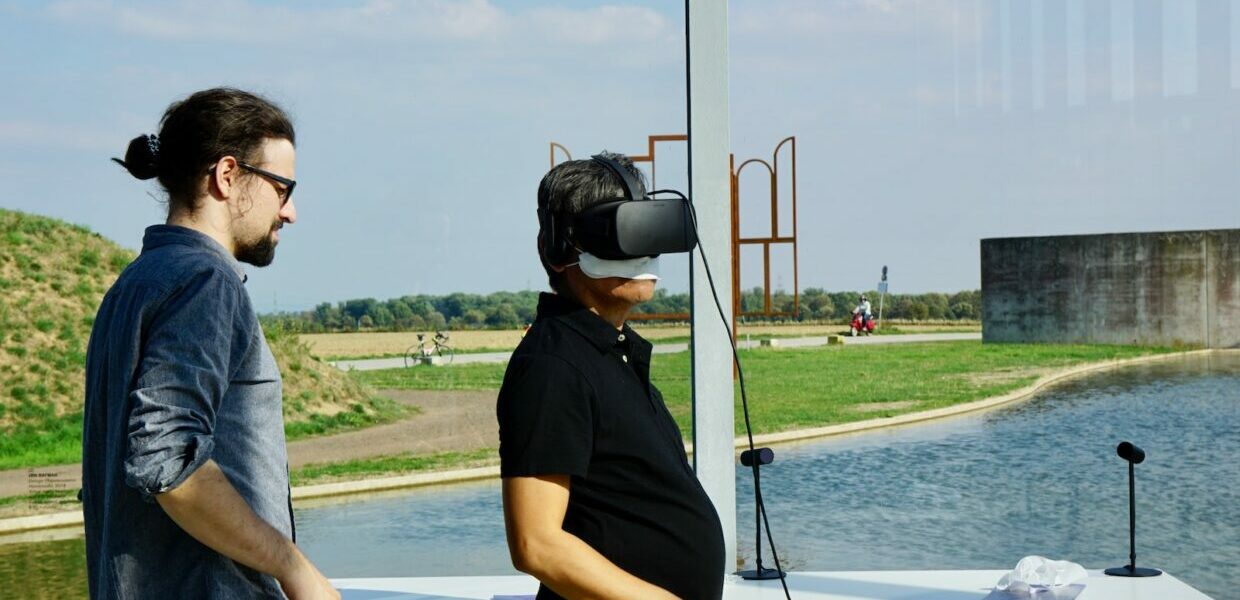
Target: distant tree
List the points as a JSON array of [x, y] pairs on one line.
[[328, 316], [962, 310], [435, 320], [936, 305], [402, 315], [382, 317], [914, 309], [505, 315]]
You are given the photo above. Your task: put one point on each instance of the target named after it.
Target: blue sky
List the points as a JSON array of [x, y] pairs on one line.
[[922, 127]]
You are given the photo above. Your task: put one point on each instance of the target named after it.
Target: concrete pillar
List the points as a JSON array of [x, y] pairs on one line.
[[706, 41]]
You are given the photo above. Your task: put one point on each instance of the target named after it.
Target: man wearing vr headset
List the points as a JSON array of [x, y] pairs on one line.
[[599, 498]]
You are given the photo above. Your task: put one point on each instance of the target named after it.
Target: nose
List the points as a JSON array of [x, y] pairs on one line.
[[288, 212]]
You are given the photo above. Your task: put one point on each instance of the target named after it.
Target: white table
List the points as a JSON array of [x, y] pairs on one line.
[[827, 585]]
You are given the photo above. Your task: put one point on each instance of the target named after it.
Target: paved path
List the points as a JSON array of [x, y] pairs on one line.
[[371, 364]]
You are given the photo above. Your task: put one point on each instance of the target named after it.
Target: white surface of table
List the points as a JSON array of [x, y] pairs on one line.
[[827, 585]]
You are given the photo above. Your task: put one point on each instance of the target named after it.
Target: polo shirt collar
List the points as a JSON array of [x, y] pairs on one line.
[[601, 334], [163, 235]]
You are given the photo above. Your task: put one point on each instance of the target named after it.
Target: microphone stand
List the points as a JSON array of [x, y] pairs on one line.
[[1131, 569], [763, 456]]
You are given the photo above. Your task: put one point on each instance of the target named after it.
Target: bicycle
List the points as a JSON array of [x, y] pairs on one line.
[[436, 352]]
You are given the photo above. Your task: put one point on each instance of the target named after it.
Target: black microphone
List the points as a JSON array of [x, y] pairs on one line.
[[765, 457], [1130, 453]]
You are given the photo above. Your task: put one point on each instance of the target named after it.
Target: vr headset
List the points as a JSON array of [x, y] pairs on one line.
[[620, 229]]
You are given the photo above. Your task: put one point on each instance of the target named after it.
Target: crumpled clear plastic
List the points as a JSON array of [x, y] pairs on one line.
[[1040, 577]]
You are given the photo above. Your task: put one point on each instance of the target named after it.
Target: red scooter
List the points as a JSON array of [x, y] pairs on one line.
[[861, 325]]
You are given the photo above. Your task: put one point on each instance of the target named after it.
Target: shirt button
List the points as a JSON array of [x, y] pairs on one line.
[[624, 357], [621, 338]]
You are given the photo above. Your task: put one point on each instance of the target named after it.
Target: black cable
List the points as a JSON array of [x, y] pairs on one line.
[[759, 505]]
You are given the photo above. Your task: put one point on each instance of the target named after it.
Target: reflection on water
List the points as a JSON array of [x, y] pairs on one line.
[[455, 530], [981, 491], [48, 569]]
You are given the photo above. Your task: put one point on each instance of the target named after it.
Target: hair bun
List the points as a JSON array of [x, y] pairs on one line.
[[142, 157]]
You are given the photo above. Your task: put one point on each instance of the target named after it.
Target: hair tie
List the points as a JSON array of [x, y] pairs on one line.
[[152, 145]]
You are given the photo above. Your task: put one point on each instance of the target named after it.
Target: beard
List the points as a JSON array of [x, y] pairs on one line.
[[258, 252]]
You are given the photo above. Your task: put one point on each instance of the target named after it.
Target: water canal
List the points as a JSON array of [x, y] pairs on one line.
[[979, 491]]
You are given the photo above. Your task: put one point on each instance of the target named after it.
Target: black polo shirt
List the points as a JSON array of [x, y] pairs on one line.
[[577, 400]]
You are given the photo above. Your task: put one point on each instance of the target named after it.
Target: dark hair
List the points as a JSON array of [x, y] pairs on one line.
[[197, 131], [573, 186]]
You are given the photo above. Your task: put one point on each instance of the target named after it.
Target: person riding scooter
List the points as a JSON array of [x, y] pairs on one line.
[[866, 316]]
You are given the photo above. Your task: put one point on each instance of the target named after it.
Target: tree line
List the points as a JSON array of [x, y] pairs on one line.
[[511, 310]]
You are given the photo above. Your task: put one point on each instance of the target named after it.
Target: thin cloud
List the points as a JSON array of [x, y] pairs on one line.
[[627, 25], [409, 22], [35, 134], [851, 17]]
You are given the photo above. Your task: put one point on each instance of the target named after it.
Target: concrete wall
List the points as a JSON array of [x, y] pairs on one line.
[[1129, 288]]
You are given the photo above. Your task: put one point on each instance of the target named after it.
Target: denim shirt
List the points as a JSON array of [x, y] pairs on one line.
[[177, 372]]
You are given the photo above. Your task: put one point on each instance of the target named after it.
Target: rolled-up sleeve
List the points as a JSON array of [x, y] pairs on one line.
[[187, 358]]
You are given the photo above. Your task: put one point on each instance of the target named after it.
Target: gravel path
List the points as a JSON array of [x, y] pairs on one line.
[[449, 421]]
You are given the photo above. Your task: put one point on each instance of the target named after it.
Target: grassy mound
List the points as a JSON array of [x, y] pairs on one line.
[[53, 276]]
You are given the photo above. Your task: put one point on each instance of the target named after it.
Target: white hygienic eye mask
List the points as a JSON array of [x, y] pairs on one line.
[[633, 268]]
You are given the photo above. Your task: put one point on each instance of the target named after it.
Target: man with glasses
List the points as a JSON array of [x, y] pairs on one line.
[[185, 488]]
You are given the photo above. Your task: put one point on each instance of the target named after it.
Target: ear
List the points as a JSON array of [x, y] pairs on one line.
[[223, 180]]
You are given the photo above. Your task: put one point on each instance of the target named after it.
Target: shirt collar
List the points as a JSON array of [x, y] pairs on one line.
[[600, 333], [164, 235]]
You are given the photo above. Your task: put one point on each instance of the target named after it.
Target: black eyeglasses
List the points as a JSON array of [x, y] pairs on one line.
[[285, 193]]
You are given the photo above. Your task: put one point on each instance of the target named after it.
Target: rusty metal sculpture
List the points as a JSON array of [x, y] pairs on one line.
[[766, 242]]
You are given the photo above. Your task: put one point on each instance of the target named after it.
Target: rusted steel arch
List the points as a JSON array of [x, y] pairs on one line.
[[796, 270], [769, 169], [651, 140], [772, 169], [555, 145]]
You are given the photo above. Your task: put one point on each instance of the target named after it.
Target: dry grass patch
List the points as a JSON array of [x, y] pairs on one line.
[[52, 278], [883, 406], [1001, 376]]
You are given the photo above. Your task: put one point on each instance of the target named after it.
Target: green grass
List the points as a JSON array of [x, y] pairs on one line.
[[831, 385], [48, 441], [800, 388], [390, 465]]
